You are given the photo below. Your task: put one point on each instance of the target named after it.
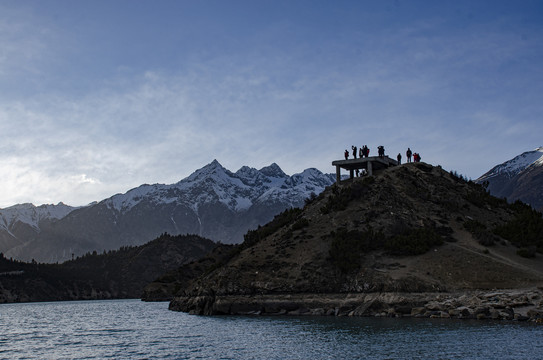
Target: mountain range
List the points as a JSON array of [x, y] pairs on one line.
[[213, 202], [520, 178]]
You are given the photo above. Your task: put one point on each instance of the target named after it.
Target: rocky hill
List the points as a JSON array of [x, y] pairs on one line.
[[165, 287], [213, 202], [115, 274], [367, 246], [520, 178]]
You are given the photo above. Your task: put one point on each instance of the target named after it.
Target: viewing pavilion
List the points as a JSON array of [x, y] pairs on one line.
[[370, 164]]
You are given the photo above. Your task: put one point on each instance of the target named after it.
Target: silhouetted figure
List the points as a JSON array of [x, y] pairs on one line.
[[366, 151], [346, 155], [399, 157], [416, 157], [381, 151], [408, 153], [361, 152], [354, 151]]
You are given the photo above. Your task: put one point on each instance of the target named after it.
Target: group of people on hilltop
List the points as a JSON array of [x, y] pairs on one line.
[[365, 152], [409, 153]]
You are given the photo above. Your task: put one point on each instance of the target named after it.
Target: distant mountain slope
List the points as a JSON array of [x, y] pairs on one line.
[[20, 223], [213, 202], [520, 178], [116, 274]]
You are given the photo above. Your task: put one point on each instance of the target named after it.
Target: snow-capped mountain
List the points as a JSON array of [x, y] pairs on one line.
[[19, 222], [236, 191], [520, 178], [32, 215], [212, 202]]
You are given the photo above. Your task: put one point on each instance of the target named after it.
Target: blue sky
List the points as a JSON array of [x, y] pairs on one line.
[[97, 97]]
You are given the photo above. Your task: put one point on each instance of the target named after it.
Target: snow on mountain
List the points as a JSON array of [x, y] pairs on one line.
[[212, 202], [237, 191], [126, 201], [32, 215], [514, 166], [273, 171], [520, 178]]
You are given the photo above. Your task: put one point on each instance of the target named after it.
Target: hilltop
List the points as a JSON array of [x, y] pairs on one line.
[[410, 229]]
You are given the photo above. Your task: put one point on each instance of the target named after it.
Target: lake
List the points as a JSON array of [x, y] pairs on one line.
[[131, 329]]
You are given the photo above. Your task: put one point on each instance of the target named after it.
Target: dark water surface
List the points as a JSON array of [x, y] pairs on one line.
[[131, 329]]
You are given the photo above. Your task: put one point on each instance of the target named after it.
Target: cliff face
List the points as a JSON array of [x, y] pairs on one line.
[[411, 228]]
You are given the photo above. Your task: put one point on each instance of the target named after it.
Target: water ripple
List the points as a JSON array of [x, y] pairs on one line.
[[137, 330]]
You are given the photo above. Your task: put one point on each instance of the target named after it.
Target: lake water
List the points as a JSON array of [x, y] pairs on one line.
[[131, 329]]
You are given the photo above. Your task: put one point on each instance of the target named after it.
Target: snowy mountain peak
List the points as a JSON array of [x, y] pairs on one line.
[[273, 170], [212, 202], [246, 172], [213, 168], [516, 165], [32, 215], [126, 201], [520, 178]]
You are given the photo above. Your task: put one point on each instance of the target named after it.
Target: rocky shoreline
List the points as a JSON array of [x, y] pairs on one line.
[[511, 304]]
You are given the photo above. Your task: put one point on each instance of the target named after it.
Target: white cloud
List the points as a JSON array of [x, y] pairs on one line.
[[83, 179]]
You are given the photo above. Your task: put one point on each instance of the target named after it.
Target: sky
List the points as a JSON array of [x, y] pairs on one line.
[[98, 97]]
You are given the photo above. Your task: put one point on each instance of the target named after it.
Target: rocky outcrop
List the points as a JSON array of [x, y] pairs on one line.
[[517, 304]]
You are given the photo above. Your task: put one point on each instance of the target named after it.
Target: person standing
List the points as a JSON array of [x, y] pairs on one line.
[[399, 157], [408, 153], [354, 151], [346, 154]]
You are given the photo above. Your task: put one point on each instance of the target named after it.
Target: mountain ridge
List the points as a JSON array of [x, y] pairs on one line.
[[520, 178], [212, 202]]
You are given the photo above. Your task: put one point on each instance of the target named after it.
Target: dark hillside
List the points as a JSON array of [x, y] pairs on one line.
[[120, 273], [411, 228], [173, 283]]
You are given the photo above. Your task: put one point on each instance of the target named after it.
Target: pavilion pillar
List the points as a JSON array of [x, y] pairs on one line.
[[338, 174], [370, 169]]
